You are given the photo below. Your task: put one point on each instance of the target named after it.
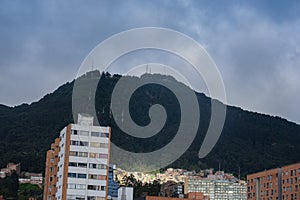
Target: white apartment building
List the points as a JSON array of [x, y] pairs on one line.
[[216, 189], [83, 160]]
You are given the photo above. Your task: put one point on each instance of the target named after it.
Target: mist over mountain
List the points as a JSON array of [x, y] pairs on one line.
[[249, 141]]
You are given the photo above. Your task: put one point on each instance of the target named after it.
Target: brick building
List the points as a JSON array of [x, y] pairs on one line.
[[51, 171], [279, 183]]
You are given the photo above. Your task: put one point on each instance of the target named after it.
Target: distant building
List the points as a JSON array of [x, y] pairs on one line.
[[189, 196], [279, 183], [196, 195], [36, 178], [113, 186], [125, 193], [10, 168], [2, 174], [80, 167], [216, 189], [14, 167], [172, 189]]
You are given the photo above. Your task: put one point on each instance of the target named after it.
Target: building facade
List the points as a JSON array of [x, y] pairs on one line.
[[51, 171], [189, 196], [216, 189], [125, 193], [81, 171], [113, 186], [279, 183], [10, 168], [172, 189]]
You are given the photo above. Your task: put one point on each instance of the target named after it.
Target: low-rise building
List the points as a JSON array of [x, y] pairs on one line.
[[2, 174], [10, 168], [113, 186], [125, 193], [216, 188], [189, 196], [172, 189]]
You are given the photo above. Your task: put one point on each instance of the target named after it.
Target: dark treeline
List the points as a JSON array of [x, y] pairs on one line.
[[249, 141]]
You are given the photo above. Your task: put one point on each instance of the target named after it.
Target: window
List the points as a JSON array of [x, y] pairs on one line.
[[95, 198], [84, 143], [74, 132], [72, 175], [73, 153], [93, 166], [81, 175], [92, 176], [97, 177], [93, 155], [103, 145], [101, 155], [104, 135], [71, 186], [84, 133], [96, 155], [95, 144], [79, 143], [97, 166], [95, 134], [84, 165], [80, 186], [92, 187], [82, 154], [101, 177], [96, 187], [72, 164]]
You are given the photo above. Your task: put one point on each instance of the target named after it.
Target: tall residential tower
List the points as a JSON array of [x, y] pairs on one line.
[[78, 169]]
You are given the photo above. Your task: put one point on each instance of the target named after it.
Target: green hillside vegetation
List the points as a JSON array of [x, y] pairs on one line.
[[27, 190], [9, 186], [249, 141]]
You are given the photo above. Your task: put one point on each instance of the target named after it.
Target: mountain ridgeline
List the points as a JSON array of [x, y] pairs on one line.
[[249, 141]]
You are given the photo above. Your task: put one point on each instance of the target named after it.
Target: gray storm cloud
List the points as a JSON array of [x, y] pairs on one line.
[[255, 45]]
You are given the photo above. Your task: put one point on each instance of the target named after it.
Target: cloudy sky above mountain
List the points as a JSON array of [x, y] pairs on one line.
[[255, 44]]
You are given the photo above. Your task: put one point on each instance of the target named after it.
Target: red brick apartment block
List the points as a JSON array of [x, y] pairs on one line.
[[279, 183]]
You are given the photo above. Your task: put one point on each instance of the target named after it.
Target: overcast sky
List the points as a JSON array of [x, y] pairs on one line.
[[256, 45]]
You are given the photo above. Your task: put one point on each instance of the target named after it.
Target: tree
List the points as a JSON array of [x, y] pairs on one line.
[[9, 186]]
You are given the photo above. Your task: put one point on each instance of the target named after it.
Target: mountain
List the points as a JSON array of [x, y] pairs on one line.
[[249, 141]]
